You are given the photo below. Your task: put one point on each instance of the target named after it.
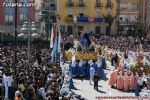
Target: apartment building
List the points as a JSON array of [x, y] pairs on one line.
[[7, 19], [74, 16], [128, 11]]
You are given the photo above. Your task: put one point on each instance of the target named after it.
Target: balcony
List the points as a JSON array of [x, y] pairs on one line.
[[98, 5], [98, 20], [8, 22], [82, 18], [69, 4], [81, 4]]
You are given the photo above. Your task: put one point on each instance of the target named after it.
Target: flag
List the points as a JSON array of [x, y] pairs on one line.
[[54, 50], [48, 31], [51, 40], [54, 31], [59, 41], [53, 35]]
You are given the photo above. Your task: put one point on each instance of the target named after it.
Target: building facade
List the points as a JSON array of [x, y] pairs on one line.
[[148, 12], [7, 14], [45, 14], [128, 11], [74, 16]]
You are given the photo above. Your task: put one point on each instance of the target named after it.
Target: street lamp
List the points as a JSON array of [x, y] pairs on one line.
[[127, 27], [75, 21], [26, 30]]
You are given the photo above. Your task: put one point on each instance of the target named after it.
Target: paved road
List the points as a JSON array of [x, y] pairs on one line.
[[86, 90]]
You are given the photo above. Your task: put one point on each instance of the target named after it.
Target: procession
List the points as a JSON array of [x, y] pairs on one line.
[[75, 50], [129, 67], [87, 60]]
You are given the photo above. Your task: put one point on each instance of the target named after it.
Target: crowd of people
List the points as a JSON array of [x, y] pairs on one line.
[[123, 43], [124, 52], [36, 78]]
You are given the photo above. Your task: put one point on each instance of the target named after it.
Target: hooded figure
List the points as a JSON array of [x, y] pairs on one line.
[[81, 68], [92, 71], [103, 64], [73, 69]]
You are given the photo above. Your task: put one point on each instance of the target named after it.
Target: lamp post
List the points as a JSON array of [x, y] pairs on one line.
[[127, 29], [16, 35], [26, 30], [75, 21]]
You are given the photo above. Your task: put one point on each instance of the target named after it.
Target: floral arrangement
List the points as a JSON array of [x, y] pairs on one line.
[[139, 66]]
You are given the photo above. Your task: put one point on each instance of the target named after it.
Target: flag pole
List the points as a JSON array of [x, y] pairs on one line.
[[56, 53]]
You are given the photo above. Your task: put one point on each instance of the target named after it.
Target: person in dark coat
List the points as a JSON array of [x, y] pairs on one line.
[[95, 80]]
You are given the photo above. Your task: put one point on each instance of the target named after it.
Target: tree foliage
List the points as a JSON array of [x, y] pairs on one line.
[[109, 19], [142, 29]]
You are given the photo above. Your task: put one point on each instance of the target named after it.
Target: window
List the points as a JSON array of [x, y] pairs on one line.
[[62, 28], [126, 19], [9, 19], [69, 29], [108, 12], [69, 1], [123, 5], [80, 11], [133, 17], [23, 17], [23, 0], [97, 1], [98, 14], [81, 1], [8, 0], [133, 5], [123, 18], [97, 30], [70, 12]]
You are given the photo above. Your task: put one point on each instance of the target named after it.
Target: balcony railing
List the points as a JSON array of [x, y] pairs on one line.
[[69, 4], [8, 22], [98, 5], [81, 4]]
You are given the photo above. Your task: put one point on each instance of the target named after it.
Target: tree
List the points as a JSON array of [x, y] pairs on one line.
[[109, 20], [142, 29]]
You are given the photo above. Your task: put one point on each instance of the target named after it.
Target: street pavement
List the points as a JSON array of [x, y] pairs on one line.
[[87, 91]]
